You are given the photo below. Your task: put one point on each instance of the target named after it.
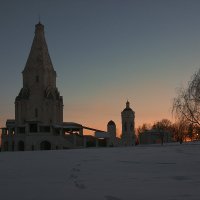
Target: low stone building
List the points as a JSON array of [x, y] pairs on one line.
[[155, 137], [108, 138]]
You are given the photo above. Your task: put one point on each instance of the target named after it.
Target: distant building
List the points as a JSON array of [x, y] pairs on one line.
[[155, 137], [109, 137], [128, 126]]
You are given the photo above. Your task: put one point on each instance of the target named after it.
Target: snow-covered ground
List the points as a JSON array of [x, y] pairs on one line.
[[152, 172]]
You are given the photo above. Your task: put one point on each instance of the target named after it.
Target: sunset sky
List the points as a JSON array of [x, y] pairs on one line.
[[104, 52]]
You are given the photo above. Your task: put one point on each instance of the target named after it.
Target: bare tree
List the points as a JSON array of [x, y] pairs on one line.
[[164, 125], [186, 105], [180, 130], [143, 128]]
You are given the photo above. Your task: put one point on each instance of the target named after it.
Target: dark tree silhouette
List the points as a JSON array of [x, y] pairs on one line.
[[143, 128], [186, 106], [161, 127], [164, 125]]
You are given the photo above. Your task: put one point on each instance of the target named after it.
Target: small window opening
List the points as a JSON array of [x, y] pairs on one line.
[[36, 112], [21, 130], [125, 126], [33, 128]]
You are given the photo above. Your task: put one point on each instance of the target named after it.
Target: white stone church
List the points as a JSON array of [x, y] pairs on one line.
[[38, 123]]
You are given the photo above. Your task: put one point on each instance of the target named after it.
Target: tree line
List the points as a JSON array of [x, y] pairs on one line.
[[186, 111], [180, 130]]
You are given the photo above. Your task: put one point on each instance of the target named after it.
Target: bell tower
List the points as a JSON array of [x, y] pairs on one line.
[[39, 100], [128, 126]]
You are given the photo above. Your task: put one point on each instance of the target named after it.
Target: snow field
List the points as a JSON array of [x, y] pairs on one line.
[[169, 172]]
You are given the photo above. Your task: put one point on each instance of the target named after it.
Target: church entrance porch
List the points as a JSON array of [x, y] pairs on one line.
[[45, 145]]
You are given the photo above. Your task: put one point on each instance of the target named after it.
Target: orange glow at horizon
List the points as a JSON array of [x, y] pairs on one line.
[[99, 121], [98, 116]]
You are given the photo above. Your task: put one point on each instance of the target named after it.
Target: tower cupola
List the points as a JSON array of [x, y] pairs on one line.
[[127, 104]]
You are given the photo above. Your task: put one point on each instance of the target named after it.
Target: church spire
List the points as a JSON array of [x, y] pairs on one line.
[[39, 29], [39, 58], [39, 99]]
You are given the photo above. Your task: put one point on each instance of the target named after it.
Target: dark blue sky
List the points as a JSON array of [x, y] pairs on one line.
[[104, 52]]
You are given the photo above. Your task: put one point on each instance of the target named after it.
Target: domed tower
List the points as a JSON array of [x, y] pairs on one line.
[[128, 126], [111, 129]]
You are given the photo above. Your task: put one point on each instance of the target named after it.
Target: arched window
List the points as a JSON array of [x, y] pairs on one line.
[[131, 126], [125, 126]]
